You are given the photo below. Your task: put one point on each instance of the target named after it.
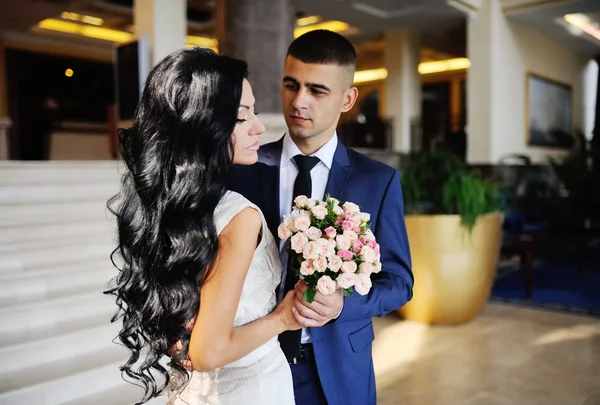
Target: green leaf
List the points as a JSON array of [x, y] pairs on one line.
[[348, 292], [309, 294]]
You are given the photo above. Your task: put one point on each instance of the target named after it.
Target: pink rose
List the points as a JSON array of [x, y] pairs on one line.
[[343, 243], [347, 215], [349, 267], [307, 268], [376, 249], [326, 285], [302, 223], [301, 201], [351, 207], [298, 242], [366, 268], [311, 251], [347, 225], [313, 233], [335, 263], [372, 244], [344, 254], [367, 254], [319, 212], [284, 232], [330, 232], [363, 284], [346, 280], [320, 263], [356, 229], [350, 234], [357, 246], [339, 221]]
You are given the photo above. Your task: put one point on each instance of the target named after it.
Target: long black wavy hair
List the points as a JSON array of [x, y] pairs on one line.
[[177, 156]]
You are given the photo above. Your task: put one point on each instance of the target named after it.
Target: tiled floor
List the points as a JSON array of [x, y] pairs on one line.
[[507, 356]]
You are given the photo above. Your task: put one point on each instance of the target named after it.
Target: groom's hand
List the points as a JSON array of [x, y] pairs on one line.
[[323, 309]]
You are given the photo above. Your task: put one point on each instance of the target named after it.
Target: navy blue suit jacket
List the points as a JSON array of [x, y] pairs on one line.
[[343, 348]]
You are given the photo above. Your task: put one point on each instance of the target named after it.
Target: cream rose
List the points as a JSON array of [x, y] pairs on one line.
[[284, 232], [301, 201], [326, 285], [367, 254], [338, 210], [307, 268], [302, 223], [310, 204], [350, 235], [349, 267], [363, 284], [366, 268], [343, 243], [298, 242], [320, 263], [335, 263], [346, 280], [351, 207], [325, 248], [313, 233], [311, 251], [319, 212]]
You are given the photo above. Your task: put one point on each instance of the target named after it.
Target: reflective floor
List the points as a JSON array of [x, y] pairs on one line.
[[508, 356]]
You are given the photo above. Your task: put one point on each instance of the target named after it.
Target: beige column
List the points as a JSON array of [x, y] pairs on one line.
[[402, 88], [164, 22]]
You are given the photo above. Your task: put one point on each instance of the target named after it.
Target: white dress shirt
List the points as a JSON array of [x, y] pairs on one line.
[[288, 171]]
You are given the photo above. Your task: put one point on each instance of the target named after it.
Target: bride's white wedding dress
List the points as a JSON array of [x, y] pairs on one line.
[[262, 377]]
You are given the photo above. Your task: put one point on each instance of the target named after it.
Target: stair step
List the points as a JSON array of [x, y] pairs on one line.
[[67, 389], [123, 395], [23, 287], [28, 317], [28, 246], [50, 193], [42, 373], [52, 213], [22, 261], [36, 232]]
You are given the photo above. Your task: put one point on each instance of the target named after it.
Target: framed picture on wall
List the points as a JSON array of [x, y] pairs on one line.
[[549, 118]]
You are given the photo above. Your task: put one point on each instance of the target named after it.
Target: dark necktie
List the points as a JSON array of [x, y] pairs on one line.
[[290, 340]]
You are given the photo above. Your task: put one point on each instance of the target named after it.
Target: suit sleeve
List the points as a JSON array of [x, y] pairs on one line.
[[392, 287]]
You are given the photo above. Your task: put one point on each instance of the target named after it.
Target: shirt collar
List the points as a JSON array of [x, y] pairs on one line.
[[325, 154]]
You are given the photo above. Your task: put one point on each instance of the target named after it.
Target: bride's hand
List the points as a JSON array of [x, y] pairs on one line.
[[285, 311]]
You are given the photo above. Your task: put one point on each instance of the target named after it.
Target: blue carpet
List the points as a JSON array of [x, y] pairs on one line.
[[556, 285]]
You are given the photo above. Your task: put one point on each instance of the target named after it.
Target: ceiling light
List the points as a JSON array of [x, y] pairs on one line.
[[584, 23], [444, 65], [364, 76], [333, 25], [311, 19], [88, 19]]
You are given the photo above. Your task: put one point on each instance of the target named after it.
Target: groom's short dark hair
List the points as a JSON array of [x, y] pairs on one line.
[[324, 47]]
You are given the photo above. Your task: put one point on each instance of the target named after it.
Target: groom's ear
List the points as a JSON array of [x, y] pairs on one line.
[[350, 97]]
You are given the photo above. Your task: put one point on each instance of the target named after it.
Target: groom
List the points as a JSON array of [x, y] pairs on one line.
[[331, 358]]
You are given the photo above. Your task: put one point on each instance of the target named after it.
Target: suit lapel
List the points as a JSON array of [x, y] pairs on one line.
[[339, 174], [270, 159]]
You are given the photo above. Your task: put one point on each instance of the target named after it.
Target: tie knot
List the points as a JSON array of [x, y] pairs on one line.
[[306, 163]]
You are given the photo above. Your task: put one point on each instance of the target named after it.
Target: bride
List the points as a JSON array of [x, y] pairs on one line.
[[193, 253]]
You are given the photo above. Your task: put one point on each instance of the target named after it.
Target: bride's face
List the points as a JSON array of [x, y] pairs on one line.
[[247, 129]]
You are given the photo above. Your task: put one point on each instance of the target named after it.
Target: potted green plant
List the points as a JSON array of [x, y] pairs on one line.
[[454, 222]]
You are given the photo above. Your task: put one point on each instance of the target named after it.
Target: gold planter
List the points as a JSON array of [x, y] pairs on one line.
[[454, 270]]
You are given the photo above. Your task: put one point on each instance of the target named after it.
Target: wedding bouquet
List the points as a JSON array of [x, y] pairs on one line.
[[331, 246]]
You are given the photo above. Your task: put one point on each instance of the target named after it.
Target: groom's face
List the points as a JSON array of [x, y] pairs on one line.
[[313, 96]]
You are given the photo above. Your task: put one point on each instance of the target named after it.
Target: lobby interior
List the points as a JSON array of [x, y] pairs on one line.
[[504, 94]]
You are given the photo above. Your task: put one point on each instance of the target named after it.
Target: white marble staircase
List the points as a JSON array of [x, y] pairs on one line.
[[55, 239]]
